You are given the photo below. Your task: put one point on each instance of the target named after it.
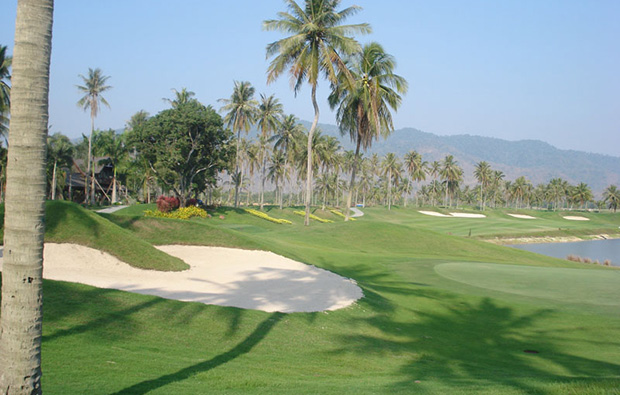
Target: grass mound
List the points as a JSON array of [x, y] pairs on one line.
[[67, 222]]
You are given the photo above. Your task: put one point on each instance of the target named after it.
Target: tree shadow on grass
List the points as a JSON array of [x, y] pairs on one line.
[[482, 343], [261, 331]]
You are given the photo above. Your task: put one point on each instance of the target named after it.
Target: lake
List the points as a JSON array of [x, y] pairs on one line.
[[594, 249]]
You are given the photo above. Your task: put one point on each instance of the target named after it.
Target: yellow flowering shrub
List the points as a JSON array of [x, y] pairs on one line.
[[181, 213], [263, 215], [303, 214]]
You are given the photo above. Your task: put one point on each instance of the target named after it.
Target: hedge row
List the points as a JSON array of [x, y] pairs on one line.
[[303, 214], [182, 213], [262, 215]]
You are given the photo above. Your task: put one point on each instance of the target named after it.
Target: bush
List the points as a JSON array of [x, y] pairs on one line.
[[338, 213], [182, 213], [166, 204], [262, 215], [191, 202]]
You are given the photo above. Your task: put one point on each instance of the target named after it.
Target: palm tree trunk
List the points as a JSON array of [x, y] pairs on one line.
[[262, 188], [390, 189], [54, 181], [114, 186], [236, 179], [347, 209], [92, 181], [309, 164], [20, 327]]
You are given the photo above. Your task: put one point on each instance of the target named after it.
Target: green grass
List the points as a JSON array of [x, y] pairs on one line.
[[70, 223], [454, 313]]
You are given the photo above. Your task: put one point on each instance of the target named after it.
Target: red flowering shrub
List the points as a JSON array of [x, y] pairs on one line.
[[191, 202], [167, 204]]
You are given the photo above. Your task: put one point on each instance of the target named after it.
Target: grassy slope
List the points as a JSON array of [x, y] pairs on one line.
[[445, 330], [70, 223]]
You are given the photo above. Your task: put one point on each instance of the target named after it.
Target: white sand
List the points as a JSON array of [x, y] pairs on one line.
[[257, 280], [522, 216], [433, 213], [575, 218], [468, 215]]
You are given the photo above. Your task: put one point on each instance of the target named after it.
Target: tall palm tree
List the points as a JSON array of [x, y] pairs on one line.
[[24, 225], [59, 153], [364, 94], [582, 194], [182, 97], [277, 173], [416, 167], [317, 42], [391, 169], [269, 117], [5, 92], [94, 86], [113, 147], [611, 196], [240, 115], [452, 174], [285, 140], [483, 174]]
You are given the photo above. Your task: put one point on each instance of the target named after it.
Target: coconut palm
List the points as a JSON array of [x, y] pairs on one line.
[[5, 91], [582, 194], [451, 173], [277, 173], [417, 169], [285, 140], [24, 225], [317, 42], [269, 117], [364, 94], [240, 115], [94, 86], [391, 170], [59, 154], [483, 174], [611, 196], [113, 147], [182, 97]]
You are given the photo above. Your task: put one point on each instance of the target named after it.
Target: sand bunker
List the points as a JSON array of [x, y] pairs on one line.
[[575, 218], [433, 213], [257, 280], [468, 215], [522, 216]]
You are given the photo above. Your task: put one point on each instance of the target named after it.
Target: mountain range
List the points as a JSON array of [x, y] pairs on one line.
[[538, 161]]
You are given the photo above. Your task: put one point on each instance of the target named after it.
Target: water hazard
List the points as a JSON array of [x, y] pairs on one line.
[[594, 249]]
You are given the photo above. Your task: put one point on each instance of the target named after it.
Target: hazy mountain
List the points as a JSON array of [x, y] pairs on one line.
[[536, 160]]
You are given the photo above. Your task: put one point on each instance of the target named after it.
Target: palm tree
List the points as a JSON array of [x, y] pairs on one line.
[[240, 115], [416, 167], [582, 194], [277, 173], [483, 174], [5, 92], [364, 94], [94, 86], [611, 196], [24, 225], [285, 140], [59, 153], [317, 42], [391, 169], [452, 174], [182, 97], [113, 147], [269, 118]]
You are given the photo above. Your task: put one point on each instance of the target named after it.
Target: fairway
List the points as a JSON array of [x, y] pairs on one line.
[[561, 284]]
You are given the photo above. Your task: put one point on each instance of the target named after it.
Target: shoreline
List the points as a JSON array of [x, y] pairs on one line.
[[548, 239]]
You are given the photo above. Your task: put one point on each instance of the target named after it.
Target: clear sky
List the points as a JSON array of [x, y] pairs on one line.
[[512, 69]]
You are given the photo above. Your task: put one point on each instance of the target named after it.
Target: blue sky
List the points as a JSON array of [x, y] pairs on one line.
[[527, 69]]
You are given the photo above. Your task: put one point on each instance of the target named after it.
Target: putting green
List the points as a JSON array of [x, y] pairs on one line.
[[597, 287]]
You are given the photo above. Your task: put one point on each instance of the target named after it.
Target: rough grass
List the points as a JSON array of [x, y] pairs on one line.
[[415, 331]]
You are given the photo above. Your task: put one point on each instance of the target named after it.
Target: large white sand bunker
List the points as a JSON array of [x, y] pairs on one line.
[[468, 215], [257, 280], [522, 216], [576, 218]]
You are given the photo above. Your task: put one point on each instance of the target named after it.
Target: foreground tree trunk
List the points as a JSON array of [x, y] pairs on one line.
[[20, 327], [309, 164]]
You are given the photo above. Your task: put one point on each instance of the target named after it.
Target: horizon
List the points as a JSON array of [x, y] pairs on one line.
[[512, 71]]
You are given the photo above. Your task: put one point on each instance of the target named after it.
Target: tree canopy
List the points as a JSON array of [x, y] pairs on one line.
[[185, 146]]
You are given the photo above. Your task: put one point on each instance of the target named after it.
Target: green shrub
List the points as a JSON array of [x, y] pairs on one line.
[[262, 215], [303, 214]]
